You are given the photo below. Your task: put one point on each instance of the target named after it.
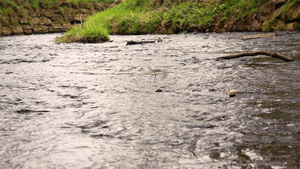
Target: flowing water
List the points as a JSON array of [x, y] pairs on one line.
[[158, 105]]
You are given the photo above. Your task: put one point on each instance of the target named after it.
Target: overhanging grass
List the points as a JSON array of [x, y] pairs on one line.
[[138, 17], [87, 34], [122, 19], [152, 16], [95, 29]]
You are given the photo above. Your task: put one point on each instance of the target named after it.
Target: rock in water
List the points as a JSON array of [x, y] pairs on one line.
[[159, 90], [158, 39], [233, 93]]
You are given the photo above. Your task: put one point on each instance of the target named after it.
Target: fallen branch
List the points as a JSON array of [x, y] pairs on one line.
[[272, 54], [132, 42], [138, 42]]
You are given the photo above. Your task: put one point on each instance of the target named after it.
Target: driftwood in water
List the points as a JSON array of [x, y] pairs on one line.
[[132, 42], [268, 35], [139, 42], [272, 54]]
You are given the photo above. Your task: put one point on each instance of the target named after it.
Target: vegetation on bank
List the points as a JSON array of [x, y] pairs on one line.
[[157, 16], [8, 5], [20, 7], [275, 23], [46, 16], [161, 16]]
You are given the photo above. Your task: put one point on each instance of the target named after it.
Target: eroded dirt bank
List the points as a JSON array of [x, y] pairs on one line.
[[161, 105]]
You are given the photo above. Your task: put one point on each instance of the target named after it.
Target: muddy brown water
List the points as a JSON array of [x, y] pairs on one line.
[[160, 105]]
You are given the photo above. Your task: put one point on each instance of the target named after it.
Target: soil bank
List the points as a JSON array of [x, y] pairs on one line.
[[20, 17], [273, 15]]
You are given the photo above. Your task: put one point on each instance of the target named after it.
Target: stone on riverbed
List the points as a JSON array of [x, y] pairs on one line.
[[233, 93]]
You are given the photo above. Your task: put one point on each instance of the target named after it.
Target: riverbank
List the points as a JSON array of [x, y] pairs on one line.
[[144, 17], [163, 17], [43, 16]]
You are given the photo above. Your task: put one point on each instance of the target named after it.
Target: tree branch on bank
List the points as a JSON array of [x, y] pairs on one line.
[[272, 54]]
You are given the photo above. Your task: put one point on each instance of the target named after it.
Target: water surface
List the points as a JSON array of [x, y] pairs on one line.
[[160, 105]]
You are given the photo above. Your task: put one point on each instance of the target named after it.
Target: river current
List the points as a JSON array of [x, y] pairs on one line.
[[158, 105]]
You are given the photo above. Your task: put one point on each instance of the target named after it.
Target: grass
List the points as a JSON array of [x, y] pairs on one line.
[[121, 20], [274, 24], [151, 16], [87, 34], [141, 17], [188, 16], [287, 7], [4, 11]]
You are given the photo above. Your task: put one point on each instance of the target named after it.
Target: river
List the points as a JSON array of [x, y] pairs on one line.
[[158, 105]]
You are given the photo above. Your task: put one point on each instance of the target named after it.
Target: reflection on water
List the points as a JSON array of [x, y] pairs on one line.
[[161, 105]]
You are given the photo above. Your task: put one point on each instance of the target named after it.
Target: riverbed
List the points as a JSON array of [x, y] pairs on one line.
[[158, 105]]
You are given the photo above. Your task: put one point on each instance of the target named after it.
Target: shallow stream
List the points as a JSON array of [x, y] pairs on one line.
[[159, 105]]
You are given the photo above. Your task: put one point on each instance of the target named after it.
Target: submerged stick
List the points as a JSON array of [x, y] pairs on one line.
[[138, 42], [132, 42], [272, 54]]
